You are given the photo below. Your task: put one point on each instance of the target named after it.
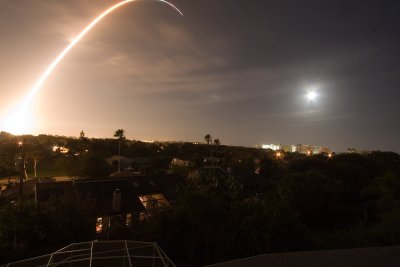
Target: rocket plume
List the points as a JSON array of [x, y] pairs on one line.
[[16, 122]]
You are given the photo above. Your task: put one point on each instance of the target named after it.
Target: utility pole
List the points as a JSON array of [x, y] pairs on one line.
[[21, 168], [119, 155]]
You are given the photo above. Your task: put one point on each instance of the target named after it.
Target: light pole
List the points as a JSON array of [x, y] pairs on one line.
[[21, 168]]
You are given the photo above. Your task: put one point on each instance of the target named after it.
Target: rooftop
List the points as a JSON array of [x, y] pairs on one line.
[[366, 257]]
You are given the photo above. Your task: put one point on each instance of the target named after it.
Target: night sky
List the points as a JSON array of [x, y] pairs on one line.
[[238, 70]]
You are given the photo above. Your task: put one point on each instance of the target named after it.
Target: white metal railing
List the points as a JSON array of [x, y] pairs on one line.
[[128, 251]]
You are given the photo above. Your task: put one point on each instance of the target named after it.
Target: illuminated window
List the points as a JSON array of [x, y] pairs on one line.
[[154, 201], [128, 219], [143, 216], [61, 149], [99, 225]]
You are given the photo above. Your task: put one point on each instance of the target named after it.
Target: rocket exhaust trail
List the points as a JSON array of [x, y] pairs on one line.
[[20, 113]]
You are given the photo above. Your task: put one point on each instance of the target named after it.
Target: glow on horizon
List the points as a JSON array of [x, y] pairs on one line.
[[17, 122]]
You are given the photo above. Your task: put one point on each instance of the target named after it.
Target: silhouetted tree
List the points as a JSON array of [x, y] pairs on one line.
[[208, 139], [66, 218], [18, 224], [217, 143], [120, 134], [94, 166]]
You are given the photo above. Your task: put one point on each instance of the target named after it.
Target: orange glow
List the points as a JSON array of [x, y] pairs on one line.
[[99, 225], [61, 149], [17, 122]]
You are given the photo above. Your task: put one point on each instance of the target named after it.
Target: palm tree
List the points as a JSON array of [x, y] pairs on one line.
[[120, 133], [21, 167], [82, 135], [83, 143], [208, 139], [217, 143]]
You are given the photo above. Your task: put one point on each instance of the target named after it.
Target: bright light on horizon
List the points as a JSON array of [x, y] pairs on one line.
[[19, 121]]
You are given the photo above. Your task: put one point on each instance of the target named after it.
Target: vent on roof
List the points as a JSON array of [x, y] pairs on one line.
[[116, 205], [152, 183], [135, 184]]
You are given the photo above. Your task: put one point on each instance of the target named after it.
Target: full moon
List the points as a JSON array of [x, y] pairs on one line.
[[311, 96]]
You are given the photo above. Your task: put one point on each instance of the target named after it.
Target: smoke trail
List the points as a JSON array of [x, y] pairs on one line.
[[18, 117]]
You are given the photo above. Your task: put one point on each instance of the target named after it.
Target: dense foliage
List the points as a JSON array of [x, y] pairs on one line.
[[250, 203], [28, 228], [301, 204]]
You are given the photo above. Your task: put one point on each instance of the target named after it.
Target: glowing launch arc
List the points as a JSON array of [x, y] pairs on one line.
[[19, 115]]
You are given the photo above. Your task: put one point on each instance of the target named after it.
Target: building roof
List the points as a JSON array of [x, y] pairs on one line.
[[101, 190], [165, 184], [12, 190], [357, 257]]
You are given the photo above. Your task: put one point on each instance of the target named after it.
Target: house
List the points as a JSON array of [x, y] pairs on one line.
[[181, 163], [129, 163], [11, 190], [130, 199]]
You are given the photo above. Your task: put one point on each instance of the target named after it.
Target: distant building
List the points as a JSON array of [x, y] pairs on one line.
[[271, 146], [299, 148], [181, 163], [356, 151], [302, 149], [286, 148], [310, 149], [352, 150]]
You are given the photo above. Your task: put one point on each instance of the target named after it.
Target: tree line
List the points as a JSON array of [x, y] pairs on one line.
[[263, 204], [305, 203]]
